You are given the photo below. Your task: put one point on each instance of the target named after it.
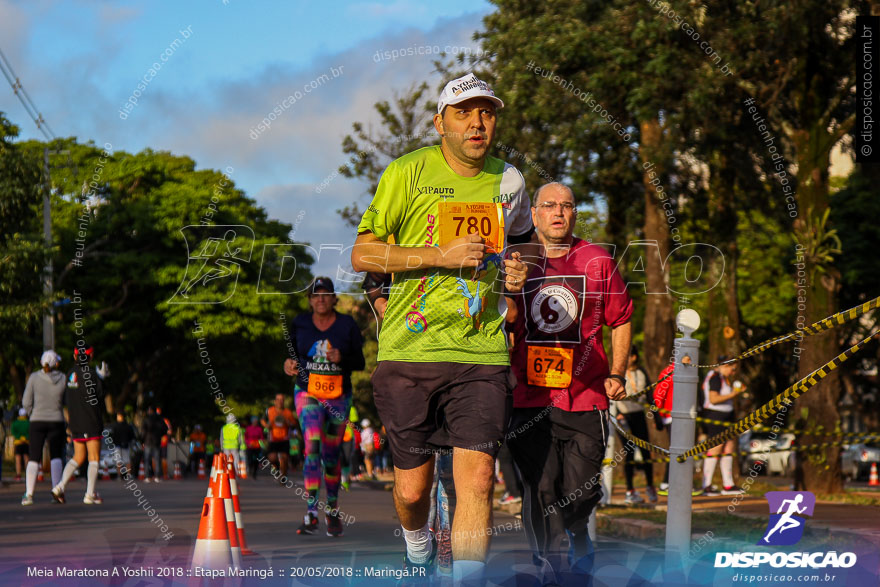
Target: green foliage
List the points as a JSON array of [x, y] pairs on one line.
[[405, 126], [23, 256], [121, 224]]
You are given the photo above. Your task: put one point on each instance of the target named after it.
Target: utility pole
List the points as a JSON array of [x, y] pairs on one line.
[[49, 317]]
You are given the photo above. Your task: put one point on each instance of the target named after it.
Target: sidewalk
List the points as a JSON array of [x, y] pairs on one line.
[[839, 519]]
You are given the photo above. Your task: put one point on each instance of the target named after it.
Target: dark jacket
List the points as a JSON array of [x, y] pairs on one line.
[[153, 430], [122, 434]]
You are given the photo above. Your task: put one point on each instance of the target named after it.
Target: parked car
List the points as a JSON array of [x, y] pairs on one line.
[[136, 452], [756, 443], [856, 459], [781, 463]]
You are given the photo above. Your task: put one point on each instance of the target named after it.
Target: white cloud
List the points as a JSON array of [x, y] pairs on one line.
[[315, 221], [212, 123]]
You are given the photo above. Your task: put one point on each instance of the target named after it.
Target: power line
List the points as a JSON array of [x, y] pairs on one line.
[[24, 98]]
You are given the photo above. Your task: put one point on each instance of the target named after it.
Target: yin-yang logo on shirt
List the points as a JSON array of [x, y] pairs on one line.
[[554, 308]]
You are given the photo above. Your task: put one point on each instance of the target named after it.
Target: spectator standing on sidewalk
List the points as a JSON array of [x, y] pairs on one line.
[[122, 433], [719, 389], [631, 413], [152, 431]]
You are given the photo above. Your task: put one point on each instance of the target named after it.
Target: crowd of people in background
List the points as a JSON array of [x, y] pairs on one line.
[[63, 416]]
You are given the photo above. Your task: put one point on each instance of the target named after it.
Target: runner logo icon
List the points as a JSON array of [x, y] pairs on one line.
[[786, 524]]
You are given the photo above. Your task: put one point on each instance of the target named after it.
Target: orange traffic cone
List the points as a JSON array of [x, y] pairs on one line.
[[40, 475], [141, 474], [212, 549], [201, 468], [873, 480], [222, 489], [242, 469], [178, 473], [236, 505], [213, 488], [105, 473]]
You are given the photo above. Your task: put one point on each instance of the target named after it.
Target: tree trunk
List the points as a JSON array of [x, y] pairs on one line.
[[723, 318], [659, 320], [822, 473]]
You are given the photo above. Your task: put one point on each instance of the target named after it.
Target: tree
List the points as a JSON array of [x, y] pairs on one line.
[[406, 126], [22, 257], [595, 97], [122, 223], [798, 66]]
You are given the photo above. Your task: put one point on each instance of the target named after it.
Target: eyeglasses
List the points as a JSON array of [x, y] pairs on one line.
[[550, 206]]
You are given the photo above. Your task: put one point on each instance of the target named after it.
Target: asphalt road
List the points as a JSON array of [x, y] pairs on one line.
[[119, 535]]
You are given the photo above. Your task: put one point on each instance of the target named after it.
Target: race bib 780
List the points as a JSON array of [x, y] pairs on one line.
[[458, 219]]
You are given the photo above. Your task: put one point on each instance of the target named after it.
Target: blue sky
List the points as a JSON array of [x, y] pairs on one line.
[[81, 61]]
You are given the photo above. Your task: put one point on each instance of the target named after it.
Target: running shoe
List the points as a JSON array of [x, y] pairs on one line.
[[633, 497], [732, 490], [27, 499], [18, 477], [652, 494], [93, 499], [507, 499], [709, 490], [412, 571], [58, 495], [156, 480], [334, 525], [309, 525]]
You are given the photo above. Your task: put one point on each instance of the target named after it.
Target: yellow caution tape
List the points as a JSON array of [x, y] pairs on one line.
[[638, 441], [772, 407], [837, 432], [793, 448], [861, 436], [647, 389], [814, 328]]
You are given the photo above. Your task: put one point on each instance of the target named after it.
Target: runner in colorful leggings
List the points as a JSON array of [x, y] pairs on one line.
[[329, 347]]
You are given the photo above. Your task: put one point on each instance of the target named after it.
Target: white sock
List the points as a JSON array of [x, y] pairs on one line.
[[69, 469], [418, 544], [465, 570], [91, 477], [55, 465], [727, 470], [33, 467], [709, 470]]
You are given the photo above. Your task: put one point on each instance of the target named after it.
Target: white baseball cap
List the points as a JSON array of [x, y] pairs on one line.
[[50, 358], [465, 88]]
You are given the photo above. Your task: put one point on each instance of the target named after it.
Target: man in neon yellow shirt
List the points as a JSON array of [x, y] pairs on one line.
[[231, 437], [443, 377]]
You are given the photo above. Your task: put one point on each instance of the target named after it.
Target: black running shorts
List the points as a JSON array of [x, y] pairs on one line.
[[713, 429], [279, 446], [426, 407], [51, 432]]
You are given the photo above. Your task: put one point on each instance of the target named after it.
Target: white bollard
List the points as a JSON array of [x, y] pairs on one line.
[[685, 380]]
